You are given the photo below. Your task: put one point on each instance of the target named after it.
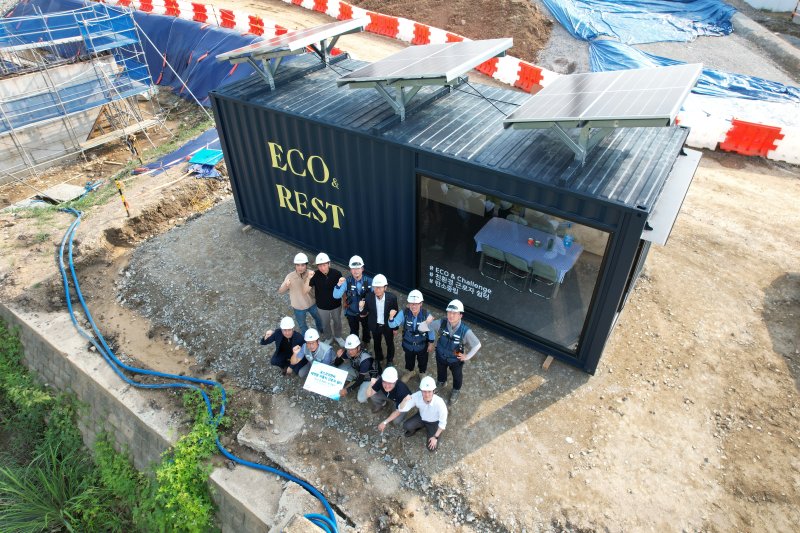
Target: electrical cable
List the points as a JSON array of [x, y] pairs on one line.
[[326, 523]]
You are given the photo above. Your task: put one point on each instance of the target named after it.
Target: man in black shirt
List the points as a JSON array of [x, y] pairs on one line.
[[324, 281], [285, 339], [385, 388]]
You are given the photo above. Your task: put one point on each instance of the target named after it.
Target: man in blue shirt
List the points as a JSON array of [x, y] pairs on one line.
[[354, 289], [285, 339], [416, 344]]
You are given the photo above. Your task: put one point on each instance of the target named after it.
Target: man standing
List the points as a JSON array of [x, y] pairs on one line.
[[312, 350], [431, 415], [385, 388], [416, 344], [355, 289], [285, 339], [297, 283], [362, 367], [456, 344], [381, 308], [324, 282]]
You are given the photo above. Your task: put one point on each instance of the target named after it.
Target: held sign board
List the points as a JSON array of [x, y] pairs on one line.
[[325, 380]]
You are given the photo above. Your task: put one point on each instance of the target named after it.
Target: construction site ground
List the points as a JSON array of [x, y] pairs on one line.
[[690, 423]]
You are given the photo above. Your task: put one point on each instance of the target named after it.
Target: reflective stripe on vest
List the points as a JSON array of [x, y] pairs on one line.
[[413, 339], [448, 342]]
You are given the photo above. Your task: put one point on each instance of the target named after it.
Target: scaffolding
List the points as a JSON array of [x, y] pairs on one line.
[[69, 81]]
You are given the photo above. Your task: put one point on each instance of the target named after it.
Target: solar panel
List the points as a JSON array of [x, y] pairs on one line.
[[293, 41], [641, 97], [439, 62]]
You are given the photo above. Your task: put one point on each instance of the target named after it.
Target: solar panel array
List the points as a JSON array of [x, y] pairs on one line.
[[294, 41], [650, 94], [432, 61]]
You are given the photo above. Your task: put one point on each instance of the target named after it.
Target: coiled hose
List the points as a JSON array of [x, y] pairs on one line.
[[326, 523]]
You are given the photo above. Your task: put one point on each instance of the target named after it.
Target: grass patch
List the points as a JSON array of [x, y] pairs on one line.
[[50, 482]]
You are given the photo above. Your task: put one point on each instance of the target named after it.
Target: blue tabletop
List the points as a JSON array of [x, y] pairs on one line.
[[513, 238]]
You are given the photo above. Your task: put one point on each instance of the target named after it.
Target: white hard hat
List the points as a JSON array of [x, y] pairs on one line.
[[322, 257], [356, 262], [389, 374], [300, 259], [427, 384], [415, 297], [455, 305], [311, 335], [287, 323], [352, 341], [379, 281]]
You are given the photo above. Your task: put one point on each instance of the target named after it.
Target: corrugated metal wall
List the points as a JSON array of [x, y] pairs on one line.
[[329, 190]]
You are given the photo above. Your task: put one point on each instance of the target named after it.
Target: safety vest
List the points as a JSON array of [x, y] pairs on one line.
[[448, 343], [320, 354], [363, 356], [353, 295], [414, 340]]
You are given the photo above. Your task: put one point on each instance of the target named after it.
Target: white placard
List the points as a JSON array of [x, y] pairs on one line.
[[325, 380]]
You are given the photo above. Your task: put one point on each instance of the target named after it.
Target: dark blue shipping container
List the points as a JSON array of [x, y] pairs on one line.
[[536, 245]]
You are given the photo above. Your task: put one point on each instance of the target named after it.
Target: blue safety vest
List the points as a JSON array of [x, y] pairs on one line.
[[354, 295], [414, 340], [448, 343]]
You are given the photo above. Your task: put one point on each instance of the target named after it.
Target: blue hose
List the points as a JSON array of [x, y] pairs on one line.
[[326, 523]]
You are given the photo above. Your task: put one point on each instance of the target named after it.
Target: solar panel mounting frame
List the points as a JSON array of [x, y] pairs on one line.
[[398, 91], [265, 56], [592, 130]]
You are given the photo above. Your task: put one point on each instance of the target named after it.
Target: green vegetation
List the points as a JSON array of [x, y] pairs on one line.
[[50, 482]]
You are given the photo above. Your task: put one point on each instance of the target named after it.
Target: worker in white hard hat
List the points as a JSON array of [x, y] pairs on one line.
[[361, 367], [285, 339], [456, 344], [381, 307], [354, 290], [313, 350], [416, 344], [298, 283], [324, 282], [431, 413], [385, 388]]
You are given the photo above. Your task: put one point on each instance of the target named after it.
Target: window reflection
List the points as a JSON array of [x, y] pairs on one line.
[[512, 263]]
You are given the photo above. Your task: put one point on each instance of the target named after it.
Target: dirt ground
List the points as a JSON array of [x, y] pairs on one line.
[[691, 422], [520, 19]]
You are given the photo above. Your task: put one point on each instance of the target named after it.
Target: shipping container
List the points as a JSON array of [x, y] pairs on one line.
[[537, 245]]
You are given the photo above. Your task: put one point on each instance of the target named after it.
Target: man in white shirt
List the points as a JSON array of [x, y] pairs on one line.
[[431, 415]]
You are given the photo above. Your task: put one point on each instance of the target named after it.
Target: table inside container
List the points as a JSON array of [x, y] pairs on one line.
[[513, 238]]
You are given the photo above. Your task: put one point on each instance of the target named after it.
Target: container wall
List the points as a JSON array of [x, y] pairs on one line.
[[323, 188]]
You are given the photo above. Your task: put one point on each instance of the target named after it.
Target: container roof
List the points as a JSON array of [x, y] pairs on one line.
[[629, 167]]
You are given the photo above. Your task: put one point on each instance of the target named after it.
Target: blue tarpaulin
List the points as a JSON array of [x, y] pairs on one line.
[[642, 21], [207, 139], [188, 46], [611, 55]]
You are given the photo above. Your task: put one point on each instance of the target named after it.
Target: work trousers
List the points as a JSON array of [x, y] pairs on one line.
[[354, 322], [331, 322], [420, 358], [415, 422], [300, 318], [455, 368], [380, 398], [382, 332]]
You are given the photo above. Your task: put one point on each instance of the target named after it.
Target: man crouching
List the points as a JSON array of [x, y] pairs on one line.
[[431, 413]]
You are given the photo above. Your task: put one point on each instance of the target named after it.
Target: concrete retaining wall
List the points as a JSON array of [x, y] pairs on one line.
[[247, 500]]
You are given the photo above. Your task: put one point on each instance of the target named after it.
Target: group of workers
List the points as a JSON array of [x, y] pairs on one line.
[[372, 311]]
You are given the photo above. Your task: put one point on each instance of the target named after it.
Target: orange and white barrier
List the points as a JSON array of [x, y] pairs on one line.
[[746, 127]]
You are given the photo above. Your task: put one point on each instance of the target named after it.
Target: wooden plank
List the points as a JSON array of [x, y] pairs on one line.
[[118, 134], [548, 360]]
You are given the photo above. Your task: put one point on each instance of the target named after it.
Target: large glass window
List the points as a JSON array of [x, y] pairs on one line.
[[531, 270]]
